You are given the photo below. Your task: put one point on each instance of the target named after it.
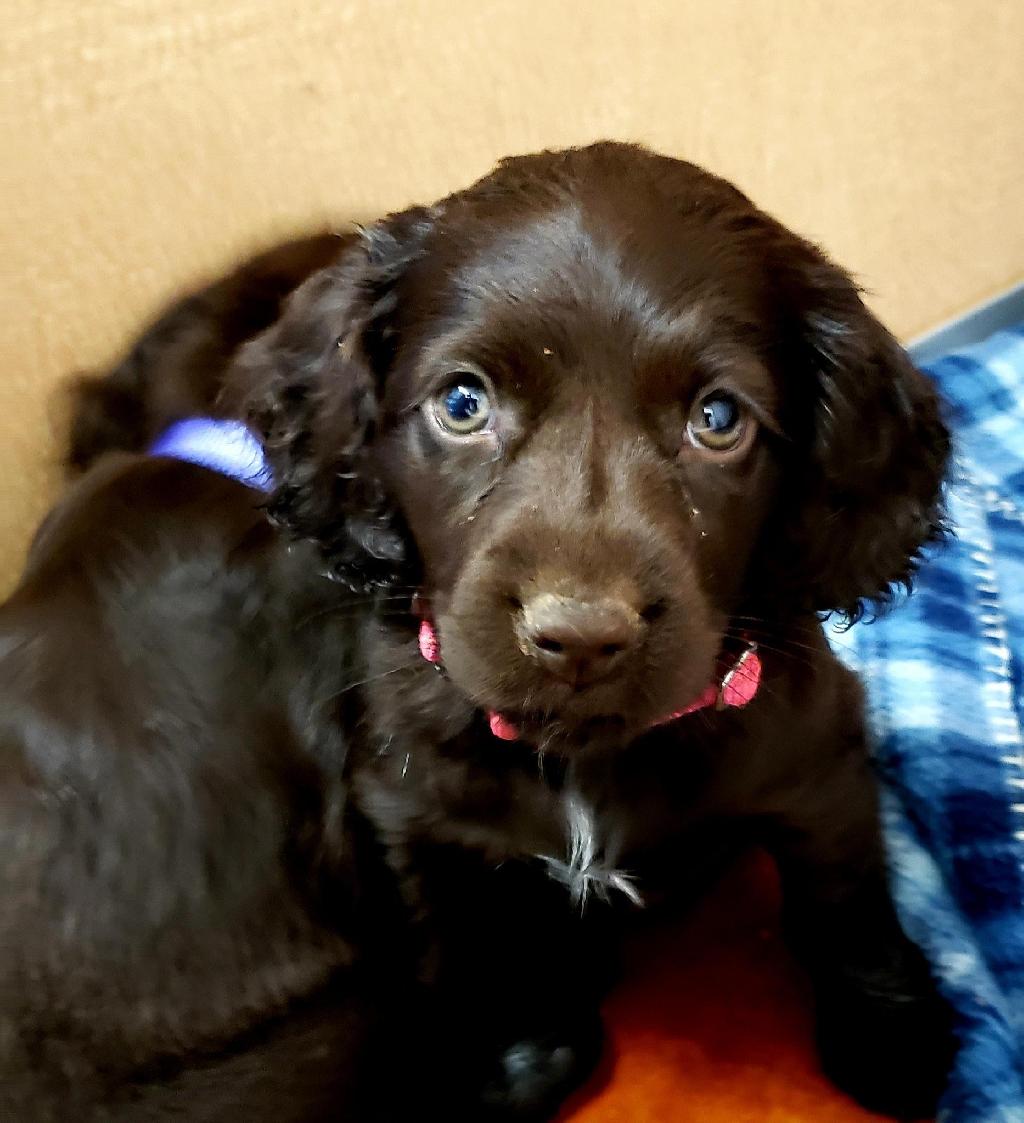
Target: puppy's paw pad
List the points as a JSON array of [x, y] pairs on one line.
[[533, 1076]]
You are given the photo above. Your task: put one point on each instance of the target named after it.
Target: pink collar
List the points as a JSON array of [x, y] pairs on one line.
[[738, 686]]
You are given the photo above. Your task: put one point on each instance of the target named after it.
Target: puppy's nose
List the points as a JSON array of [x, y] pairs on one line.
[[575, 640]]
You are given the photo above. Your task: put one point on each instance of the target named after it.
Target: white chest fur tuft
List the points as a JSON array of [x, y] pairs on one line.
[[585, 869]]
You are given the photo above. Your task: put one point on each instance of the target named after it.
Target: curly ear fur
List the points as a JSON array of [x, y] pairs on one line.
[[864, 493], [310, 386]]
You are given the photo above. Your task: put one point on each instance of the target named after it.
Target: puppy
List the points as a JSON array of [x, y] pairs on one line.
[[566, 469]]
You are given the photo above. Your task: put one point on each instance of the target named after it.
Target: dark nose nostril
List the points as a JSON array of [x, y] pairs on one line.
[[550, 645], [654, 611], [610, 649]]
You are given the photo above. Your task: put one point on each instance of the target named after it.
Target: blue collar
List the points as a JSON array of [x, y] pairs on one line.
[[228, 447]]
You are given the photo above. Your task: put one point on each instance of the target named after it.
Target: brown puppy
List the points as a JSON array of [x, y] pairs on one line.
[[599, 424]]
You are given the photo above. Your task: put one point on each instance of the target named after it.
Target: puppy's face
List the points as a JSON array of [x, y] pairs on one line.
[[580, 435], [602, 408]]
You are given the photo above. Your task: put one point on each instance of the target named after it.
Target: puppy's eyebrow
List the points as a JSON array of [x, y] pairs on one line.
[[710, 335], [703, 324], [689, 324], [713, 347], [742, 374], [760, 409]]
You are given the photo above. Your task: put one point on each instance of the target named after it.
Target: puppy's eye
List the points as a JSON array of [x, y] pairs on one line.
[[717, 422], [464, 405]]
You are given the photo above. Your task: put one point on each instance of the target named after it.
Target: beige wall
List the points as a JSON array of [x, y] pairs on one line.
[[146, 142]]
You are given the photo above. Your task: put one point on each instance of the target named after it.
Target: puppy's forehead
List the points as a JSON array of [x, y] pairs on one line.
[[591, 275], [645, 253], [557, 256]]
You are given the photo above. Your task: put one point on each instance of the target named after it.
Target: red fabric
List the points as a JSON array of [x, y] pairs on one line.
[[713, 1024]]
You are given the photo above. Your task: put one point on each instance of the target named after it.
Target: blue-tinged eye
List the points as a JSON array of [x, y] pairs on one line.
[[464, 405], [717, 422], [719, 414]]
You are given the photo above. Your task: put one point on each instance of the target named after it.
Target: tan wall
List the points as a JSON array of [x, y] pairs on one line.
[[146, 142]]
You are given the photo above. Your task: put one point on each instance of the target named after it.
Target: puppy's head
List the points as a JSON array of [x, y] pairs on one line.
[[598, 407]]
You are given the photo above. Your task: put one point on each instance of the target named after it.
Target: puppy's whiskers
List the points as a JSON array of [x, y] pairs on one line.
[[408, 665], [354, 607]]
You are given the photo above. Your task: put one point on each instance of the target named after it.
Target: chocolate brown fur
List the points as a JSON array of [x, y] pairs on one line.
[[260, 858]]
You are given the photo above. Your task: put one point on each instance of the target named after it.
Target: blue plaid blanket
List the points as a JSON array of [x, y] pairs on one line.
[[945, 696]]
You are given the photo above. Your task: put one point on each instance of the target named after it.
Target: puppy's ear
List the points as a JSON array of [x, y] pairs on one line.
[[310, 386], [864, 489]]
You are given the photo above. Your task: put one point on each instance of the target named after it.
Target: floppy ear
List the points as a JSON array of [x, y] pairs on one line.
[[864, 488], [310, 386]]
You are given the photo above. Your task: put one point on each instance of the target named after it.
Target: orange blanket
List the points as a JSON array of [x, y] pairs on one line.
[[713, 1024]]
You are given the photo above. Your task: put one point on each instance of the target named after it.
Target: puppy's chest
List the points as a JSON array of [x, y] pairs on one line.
[[587, 831]]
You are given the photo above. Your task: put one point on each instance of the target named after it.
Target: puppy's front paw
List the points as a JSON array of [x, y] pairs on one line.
[[889, 1047], [531, 1077]]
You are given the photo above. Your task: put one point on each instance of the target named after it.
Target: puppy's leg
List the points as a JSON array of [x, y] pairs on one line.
[[518, 973], [883, 1032]]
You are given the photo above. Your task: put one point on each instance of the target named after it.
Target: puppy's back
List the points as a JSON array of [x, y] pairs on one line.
[[175, 368], [147, 778]]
